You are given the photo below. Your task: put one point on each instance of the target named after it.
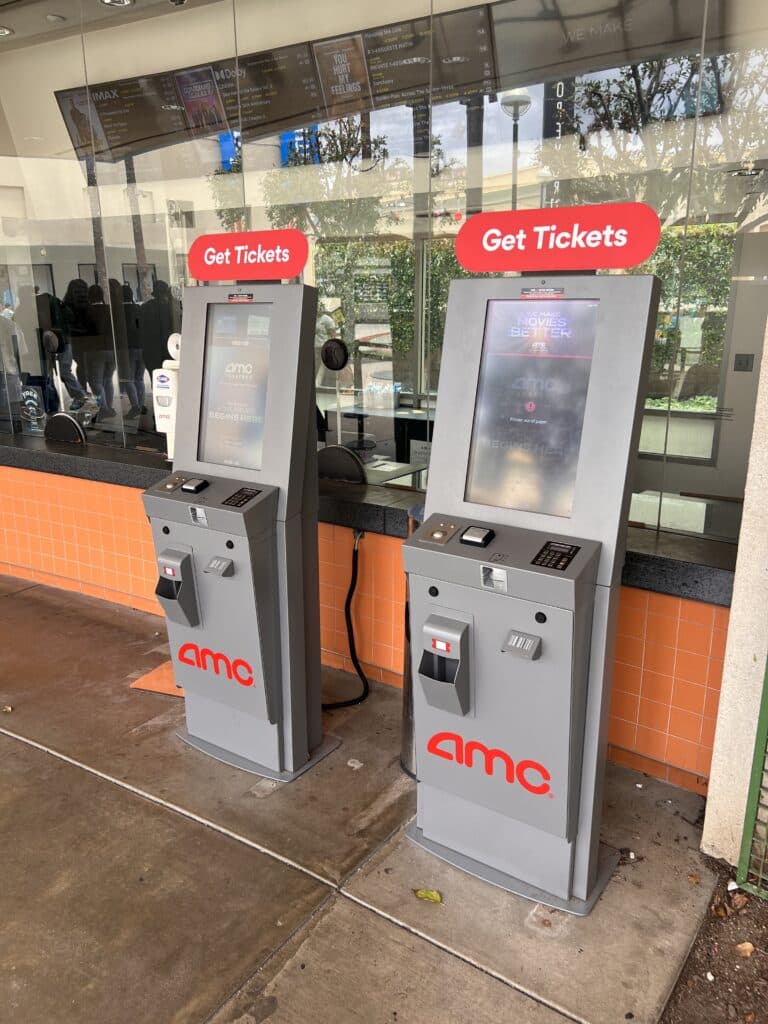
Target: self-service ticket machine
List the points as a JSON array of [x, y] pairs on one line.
[[235, 529], [514, 575]]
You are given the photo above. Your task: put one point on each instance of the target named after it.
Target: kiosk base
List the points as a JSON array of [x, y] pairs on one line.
[[607, 861], [235, 761]]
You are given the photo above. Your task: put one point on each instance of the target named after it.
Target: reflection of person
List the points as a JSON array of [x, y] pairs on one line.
[[10, 378], [99, 353], [325, 329], [50, 317], [25, 316], [130, 359], [76, 325], [159, 318]]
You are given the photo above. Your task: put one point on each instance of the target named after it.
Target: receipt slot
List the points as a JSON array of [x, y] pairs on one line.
[[513, 577], [235, 530]]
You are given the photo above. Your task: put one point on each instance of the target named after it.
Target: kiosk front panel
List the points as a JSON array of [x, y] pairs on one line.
[[512, 576], [235, 529]]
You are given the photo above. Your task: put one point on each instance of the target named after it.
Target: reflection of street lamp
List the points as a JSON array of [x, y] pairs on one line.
[[515, 103]]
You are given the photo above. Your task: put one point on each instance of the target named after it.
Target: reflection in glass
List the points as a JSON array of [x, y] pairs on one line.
[[234, 393], [529, 407]]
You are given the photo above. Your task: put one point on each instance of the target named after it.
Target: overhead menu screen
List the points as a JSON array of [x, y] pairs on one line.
[[531, 397], [235, 373]]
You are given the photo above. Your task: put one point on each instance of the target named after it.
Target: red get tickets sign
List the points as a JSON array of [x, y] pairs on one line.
[[248, 256], [610, 236]]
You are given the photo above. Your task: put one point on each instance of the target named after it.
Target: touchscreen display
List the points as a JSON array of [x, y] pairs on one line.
[[235, 372], [529, 410]]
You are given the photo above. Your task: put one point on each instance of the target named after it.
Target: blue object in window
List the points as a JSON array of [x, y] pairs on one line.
[[302, 141], [229, 145]]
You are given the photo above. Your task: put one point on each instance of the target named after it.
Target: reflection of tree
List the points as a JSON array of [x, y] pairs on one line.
[[228, 195], [331, 265], [634, 135], [629, 134], [332, 188], [705, 276], [695, 267]]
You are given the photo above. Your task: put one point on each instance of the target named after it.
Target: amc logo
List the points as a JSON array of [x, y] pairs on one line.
[[531, 775], [208, 660]]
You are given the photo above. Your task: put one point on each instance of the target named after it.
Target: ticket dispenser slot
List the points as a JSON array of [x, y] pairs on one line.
[[444, 664], [175, 588]]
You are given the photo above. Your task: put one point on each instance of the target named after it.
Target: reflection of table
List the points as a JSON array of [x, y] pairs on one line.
[[408, 424]]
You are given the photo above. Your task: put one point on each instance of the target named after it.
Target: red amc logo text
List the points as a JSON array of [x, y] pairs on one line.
[[205, 659], [453, 747]]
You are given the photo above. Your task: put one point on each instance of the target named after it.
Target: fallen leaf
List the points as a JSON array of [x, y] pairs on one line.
[[720, 911], [694, 879], [749, 1018], [430, 895], [739, 900], [745, 949]]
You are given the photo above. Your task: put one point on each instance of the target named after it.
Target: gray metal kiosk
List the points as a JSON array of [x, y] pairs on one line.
[[514, 575], [235, 529]]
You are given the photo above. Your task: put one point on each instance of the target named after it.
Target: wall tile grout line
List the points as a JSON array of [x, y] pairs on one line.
[[332, 887]]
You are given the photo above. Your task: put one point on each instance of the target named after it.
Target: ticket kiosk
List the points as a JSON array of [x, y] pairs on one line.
[[235, 529], [513, 577]]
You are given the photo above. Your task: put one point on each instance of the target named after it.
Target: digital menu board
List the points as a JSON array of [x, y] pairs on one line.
[[260, 93], [463, 54], [235, 374], [343, 74], [399, 58], [201, 101], [275, 89], [124, 117], [290, 86], [529, 409]]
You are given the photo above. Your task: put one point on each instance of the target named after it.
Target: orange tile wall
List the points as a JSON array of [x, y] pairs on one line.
[[668, 668], [94, 539]]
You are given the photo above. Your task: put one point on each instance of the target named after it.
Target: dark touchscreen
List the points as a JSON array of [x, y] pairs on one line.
[[529, 411], [235, 372]]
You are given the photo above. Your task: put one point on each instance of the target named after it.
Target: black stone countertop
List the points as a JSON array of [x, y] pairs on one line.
[[665, 563]]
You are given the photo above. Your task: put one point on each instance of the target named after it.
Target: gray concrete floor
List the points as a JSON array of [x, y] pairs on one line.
[[144, 882]]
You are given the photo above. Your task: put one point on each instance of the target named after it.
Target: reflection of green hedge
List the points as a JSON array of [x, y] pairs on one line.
[[694, 265], [334, 268], [698, 403], [704, 255], [665, 348], [713, 339]]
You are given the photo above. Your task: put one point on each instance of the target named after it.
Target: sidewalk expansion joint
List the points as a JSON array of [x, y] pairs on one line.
[[335, 888], [175, 808], [464, 957]]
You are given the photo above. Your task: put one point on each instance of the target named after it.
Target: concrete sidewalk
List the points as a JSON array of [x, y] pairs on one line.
[[144, 882]]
